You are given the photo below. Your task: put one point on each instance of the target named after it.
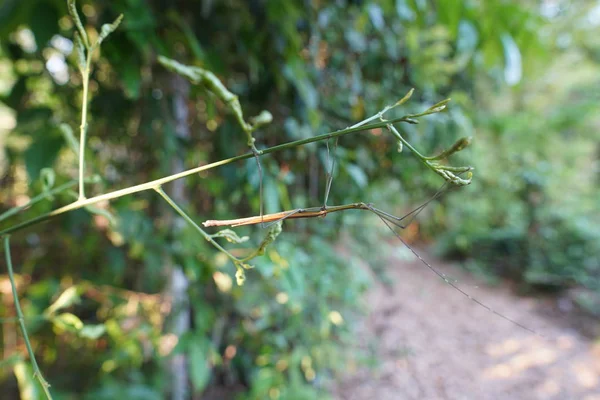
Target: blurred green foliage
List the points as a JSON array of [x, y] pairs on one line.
[[519, 75]]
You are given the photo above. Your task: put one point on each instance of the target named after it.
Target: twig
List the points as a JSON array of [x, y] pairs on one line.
[[36, 199], [37, 373], [190, 221]]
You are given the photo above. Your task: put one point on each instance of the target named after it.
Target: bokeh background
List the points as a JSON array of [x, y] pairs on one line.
[[126, 301]]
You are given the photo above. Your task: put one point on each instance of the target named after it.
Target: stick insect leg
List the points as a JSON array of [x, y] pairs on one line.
[[414, 213], [260, 187], [410, 216], [445, 279], [330, 173]]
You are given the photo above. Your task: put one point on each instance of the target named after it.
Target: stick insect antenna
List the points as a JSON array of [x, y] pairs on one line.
[[381, 216]]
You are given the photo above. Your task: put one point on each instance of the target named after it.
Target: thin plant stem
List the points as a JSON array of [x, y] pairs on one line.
[[84, 125], [37, 373], [190, 221], [38, 198], [158, 182]]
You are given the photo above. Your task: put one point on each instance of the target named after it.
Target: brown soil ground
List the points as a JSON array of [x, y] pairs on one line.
[[432, 342]]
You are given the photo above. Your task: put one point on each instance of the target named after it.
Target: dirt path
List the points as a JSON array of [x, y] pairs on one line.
[[433, 343]]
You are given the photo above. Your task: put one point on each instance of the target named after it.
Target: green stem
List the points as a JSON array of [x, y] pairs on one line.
[[393, 129], [445, 172], [37, 373], [83, 127], [158, 182], [36, 199], [190, 221]]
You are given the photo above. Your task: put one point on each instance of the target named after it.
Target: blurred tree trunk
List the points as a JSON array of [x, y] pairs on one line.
[[177, 284]]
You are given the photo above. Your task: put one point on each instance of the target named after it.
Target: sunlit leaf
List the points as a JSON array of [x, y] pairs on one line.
[[68, 322], [513, 69], [28, 387], [66, 299], [92, 331]]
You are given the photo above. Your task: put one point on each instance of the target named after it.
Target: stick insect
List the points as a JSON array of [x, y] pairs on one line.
[[390, 220]]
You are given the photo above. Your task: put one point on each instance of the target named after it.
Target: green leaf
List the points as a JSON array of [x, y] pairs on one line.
[[41, 154], [66, 299], [358, 175], [468, 37], [17, 94], [92, 331], [271, 195], [513, 68], [102, 212], [48, 177], [80, 49], [404, 10], [69, 137], [261, 119], [75, 15], [68, 322], [132, 78], [12, 14], [10, 361], [376, 16], [107, 29], [44, 23], [231, 236], [32, 118], [270, 237], [198, 356]]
